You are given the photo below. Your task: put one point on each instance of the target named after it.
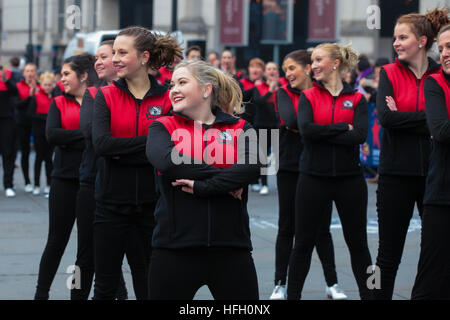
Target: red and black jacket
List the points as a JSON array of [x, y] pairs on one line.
[[437, 108], [291, 145], [247, 87], [164, 76], [22, 115], [215, 158], [8, 91], [330, 149], [38, 110], [63, 132], [405, 141], [119, 134]]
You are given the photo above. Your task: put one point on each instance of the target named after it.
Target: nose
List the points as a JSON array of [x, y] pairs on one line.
[[115, 58]]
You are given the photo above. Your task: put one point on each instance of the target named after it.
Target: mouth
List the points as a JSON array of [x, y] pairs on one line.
[[119, 68], [177, 99], [100, 69], [447, 63]]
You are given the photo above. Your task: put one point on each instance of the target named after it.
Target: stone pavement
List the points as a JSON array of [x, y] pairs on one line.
[[24, 228]]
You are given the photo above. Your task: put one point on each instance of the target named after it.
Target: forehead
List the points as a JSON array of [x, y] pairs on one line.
[[30, 67], [123, 42], [319, 52], [181, 72], [444, 38], [402, 28], [227, 55], [66, 68], [271, 65], [104, 49], [289, 61]]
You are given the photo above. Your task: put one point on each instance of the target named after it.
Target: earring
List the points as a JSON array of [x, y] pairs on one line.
[[205, 95], [334, 68], [143, 63], [420, 46], [307, 73]]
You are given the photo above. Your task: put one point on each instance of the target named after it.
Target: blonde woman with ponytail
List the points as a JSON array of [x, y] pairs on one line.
[[333, 121], [405, 140], [202, 234]]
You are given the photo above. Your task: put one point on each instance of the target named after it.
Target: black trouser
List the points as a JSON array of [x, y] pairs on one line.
[[85, 210], [44, 153], [119, 231], [433, 273], [287, 184], [313, 197], [396, 197], [265, 152], [61, 205], [8, 150], [177, 274], [24, 134]]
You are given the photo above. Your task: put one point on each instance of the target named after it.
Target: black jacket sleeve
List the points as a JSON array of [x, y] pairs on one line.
[[398, 120], [436, 110], [86, 111], [31, 111], [313, 131], [107, 145], [159, 150], [238, 175], [58, 136], [360, 127], [286, 110]]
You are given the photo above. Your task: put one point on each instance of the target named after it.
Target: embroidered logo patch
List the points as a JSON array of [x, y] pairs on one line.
[[153, 112], [348, 104]]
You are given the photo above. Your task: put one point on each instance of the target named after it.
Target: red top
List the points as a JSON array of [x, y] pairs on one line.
[[70, 112], [445, 85], [43, 102]]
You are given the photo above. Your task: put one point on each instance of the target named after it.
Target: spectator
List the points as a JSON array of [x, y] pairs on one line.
[[213, 59], [194, 53]]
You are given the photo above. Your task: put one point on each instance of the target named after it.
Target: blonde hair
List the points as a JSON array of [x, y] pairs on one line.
[[226, 93], [345, 54], [46, 75]]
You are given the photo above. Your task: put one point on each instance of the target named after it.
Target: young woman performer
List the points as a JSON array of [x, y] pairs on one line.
[[333, 122], [297, 67], [125, 189], [405, 141], [433, 274], [202, 234], [63, 131], [38, 111], [85, 209]]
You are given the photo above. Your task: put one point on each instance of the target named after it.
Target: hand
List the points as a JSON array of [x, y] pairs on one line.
[[3, 75], [350, 127], [237, 194], [258, 82], [391, 103], [273, 85], [187, 185]]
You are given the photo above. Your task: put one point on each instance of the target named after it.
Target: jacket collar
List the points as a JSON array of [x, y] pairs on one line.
[[221, 117], [432, 65], [347, 89], [155, 88], [293, 90], [70, 97]]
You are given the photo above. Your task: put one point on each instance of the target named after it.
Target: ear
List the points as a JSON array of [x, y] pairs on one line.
[[337, 63], [84, 77], [423, 41], [207, 89], [145, 57], [308, 68]]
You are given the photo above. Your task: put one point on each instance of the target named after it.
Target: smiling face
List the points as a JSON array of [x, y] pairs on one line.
[[406, 44], [227, 61], [255, 72], [444, 50], [186, 93], [295, 73], [70, 81], [322, 64], [103, 63], [127, 60]]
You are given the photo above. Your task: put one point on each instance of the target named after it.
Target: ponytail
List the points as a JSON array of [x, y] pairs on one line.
[[164, 50], [345, 54]]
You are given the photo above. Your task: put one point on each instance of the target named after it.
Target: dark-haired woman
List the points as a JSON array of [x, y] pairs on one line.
[[405, 141], [297, 67], [63, 132], [125, 188], [433, 272], [333, 122]]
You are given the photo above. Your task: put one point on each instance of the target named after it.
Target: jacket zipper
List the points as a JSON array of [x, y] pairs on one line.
[[138, 108], [417, 109], [332, 146]]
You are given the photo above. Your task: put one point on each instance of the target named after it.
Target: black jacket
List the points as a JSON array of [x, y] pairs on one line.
[[8, 96], [405, 139], [291, 145], [68, 144], [265, 116], [209, 217], [437, 191], [124, 177], [331, 149]]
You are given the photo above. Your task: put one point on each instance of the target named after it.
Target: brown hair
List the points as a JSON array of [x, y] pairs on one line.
[[257, 62], [427, 24], [107, 43], [302, 57], [193, 48], [345, 54], [226, 92], [163, 49], [443, 29]]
